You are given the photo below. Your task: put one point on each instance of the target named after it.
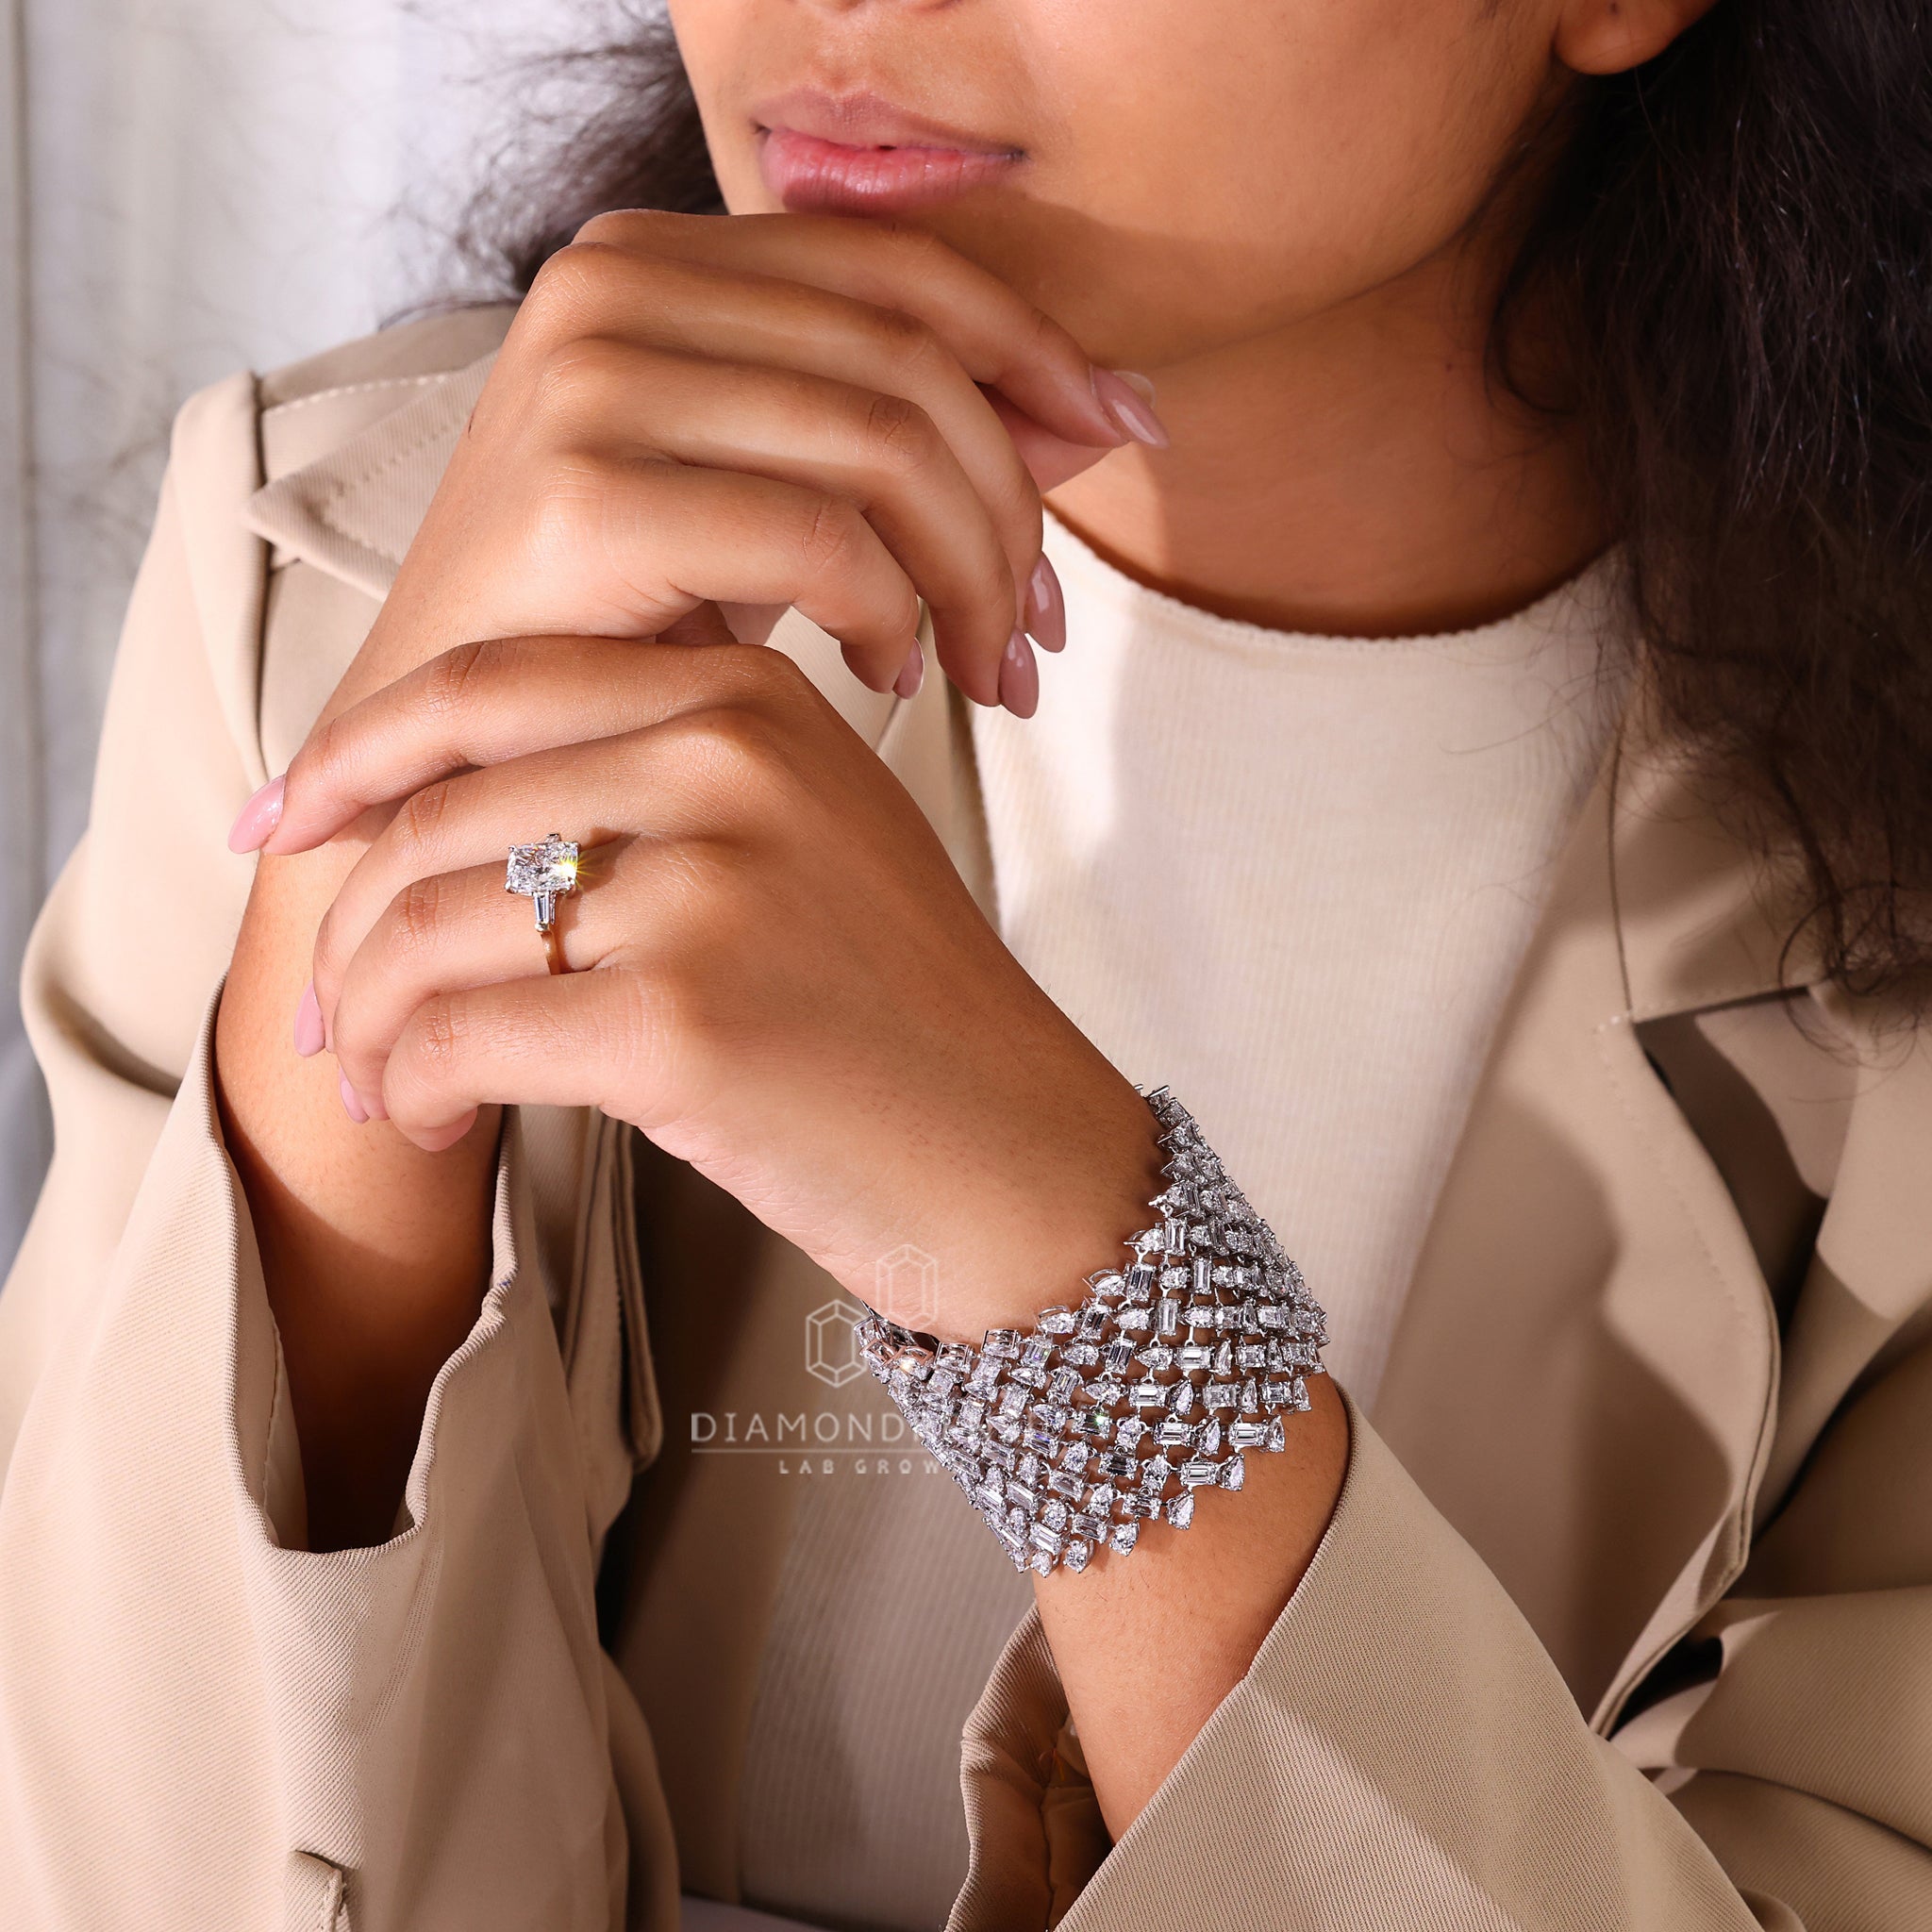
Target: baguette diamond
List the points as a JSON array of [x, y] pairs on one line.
[[964, 1405]]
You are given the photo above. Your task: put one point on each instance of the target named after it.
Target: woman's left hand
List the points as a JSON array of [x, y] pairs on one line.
[[778, 976]]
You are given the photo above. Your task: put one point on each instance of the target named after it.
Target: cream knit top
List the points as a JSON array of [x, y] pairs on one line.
[[1291, 877]]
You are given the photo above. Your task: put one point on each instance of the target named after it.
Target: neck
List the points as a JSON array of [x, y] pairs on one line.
[[1355, 473]]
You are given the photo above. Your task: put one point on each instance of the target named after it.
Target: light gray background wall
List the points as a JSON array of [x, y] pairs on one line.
[[187, 187]]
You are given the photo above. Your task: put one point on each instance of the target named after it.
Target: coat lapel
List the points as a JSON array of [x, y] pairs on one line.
[[1585, 1378]]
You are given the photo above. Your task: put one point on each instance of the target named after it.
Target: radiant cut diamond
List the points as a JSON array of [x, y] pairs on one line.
[[546, 872]]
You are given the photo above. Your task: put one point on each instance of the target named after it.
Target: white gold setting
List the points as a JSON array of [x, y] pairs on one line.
[[1117, 1411]]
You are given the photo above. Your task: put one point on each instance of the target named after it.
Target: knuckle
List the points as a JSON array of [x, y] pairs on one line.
[[566, 510], [573, 282], [581, 377], [1044, 337], [898, 433], [740, 747], [451, 680], [440, 1040], [422, 816], [610, 229], [829, 538], [324, 759], [631, 229], [914, 246], [756, 672], [909, 346], [418, 914]]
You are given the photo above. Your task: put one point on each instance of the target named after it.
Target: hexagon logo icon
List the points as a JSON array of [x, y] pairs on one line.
[[907, 1288], [831, 1343]]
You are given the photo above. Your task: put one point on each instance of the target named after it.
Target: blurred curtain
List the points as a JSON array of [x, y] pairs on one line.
[[187, 187], [22, 865]]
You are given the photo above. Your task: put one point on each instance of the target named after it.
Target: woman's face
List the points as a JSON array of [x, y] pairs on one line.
[[1166, 177]]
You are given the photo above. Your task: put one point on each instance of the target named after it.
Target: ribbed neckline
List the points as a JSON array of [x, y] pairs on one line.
[[1582, 604]]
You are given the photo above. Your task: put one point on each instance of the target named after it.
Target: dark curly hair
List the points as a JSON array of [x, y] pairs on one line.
[[1734, 244]]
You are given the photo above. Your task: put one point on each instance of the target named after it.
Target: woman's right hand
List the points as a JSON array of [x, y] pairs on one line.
[[761, 412]]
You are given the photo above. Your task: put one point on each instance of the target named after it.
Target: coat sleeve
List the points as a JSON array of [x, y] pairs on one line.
[[1403, 1752], [201, 1722]]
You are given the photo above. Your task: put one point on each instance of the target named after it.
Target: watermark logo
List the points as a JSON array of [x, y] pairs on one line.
[[905, 1287], [831, 1343]]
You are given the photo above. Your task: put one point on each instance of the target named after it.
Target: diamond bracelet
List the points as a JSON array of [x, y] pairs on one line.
[[1107, 1415]]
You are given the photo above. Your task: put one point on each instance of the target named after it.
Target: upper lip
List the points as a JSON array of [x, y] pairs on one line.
[[864, 120]]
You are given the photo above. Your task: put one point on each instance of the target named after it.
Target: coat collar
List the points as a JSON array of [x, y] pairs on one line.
[[1693, 901], [354, 511]]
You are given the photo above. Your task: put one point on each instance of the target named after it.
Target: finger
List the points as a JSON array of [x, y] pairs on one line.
[[1001, 338], [575, 1040], [693, 774], [460, 929], [657, 313], [482, 704], [648, 541], [1050, 459], [878, 451]]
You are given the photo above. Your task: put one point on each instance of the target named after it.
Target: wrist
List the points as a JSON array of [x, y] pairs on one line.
[[1068, 1216], [1155, 1386]]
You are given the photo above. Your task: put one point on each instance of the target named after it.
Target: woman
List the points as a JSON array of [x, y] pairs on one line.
[[1484, 774]]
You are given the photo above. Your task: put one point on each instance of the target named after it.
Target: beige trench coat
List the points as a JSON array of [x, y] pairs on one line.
[[1625, 1618]]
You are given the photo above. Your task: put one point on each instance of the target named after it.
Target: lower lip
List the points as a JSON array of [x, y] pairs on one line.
[[814, 176]]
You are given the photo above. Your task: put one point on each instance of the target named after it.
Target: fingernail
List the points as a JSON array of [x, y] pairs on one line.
[[1019, 677], [1046, 609], [1129, 399], [258, 818], [309, 1036], [913, 673], [352, 1105]]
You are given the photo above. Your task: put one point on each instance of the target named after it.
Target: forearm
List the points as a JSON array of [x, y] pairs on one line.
[[1201, 1601], [375, 1254]]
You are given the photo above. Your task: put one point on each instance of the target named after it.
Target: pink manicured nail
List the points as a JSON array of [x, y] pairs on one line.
[[309, 1037], [352, 1106], [1046, 609], [1019, 677], [259, 817], [1129, 399], [912, 675]]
